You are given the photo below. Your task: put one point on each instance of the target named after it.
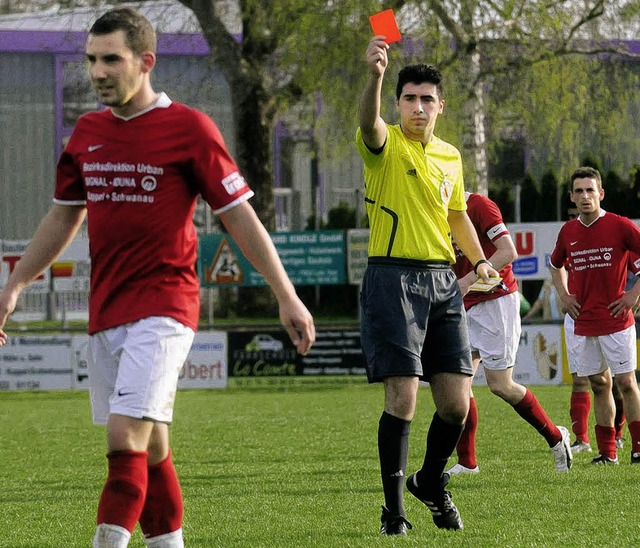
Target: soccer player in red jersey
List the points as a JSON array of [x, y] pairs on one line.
[[494, 331], [135, 170], [597, 245]]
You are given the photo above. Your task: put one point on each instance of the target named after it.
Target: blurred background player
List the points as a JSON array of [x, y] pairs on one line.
[[547, 305], [580, 403], [581, 388], [494, 331], [592, 288]]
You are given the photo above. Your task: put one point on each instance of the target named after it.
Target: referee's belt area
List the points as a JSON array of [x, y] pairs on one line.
[[409, 263]]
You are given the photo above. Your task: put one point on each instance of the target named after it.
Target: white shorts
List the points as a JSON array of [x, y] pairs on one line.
[[570, 343], [494, 330], [592, 355], [134, 368]]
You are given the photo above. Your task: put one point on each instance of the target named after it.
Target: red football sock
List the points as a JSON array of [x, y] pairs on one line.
[[124, 492], [620, 418], [579, 413], [529, 409], [466, 447], [634, 428], [163, 509], [606, 438]]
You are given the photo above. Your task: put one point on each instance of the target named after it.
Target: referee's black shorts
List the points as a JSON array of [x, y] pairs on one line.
[[413, 321]]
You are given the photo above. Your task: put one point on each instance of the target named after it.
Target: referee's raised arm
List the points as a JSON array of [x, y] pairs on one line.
[[374, 130]]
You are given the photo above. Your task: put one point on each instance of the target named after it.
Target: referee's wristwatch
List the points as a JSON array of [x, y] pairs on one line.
[[481, 261]]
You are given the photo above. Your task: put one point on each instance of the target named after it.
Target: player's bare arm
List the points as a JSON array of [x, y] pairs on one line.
[[570, 304], [466, 238], [253, 239], [504, 254], [628, 301], [374, 130], [54, 234]]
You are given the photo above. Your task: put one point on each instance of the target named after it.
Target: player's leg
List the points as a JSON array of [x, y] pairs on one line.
[[161, 518], [628, 386], [393, 439], [580, 407], [389, 348], [146, 357], [494, 334], [619, 350], [450, 393], [604, 409], [591, 362], [620, 417], [498, 346], [125, 489], [466, 447], [446, 359], [524, 402], [127, 472], [580, 402]]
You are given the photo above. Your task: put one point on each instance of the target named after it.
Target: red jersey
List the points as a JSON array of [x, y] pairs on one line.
[[139, 179], [598, 258], [487, 220]]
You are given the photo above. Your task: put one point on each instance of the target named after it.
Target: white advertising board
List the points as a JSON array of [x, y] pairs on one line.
[[59, 362], [36, 362]]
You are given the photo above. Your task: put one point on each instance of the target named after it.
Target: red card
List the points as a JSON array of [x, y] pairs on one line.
[[384, 24]]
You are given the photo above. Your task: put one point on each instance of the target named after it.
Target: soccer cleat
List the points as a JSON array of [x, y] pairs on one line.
[[580, 446], [562, 451], [460, 469], [443, 511], [619, 443], [393, 525], [601, 459], [635, 458]]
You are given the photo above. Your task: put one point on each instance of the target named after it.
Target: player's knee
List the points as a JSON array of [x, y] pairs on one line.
[[454, 413]]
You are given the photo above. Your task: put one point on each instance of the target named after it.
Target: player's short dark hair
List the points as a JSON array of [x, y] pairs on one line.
[[420, 74], [139, 33], [586, 172]]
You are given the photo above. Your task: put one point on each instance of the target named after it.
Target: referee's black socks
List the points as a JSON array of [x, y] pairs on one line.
[[393, 449]]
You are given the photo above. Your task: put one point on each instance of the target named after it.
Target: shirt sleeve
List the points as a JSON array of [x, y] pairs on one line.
[[70, 189], [559, 255], [217, 176]]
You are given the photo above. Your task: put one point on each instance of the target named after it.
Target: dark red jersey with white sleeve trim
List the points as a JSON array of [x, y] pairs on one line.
[[139, 179], [598, 257], [486, 218]]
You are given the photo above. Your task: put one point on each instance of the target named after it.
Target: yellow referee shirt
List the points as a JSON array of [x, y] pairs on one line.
[[408, 192]]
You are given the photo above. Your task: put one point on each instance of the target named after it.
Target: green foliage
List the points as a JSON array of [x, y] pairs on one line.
[[538, 200], [546, 209], [573, 105], [503, 196], [293, 463], [341, 216], [530, 197], [295, 51]]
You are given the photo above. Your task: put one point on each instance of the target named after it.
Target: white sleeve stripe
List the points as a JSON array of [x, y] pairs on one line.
[[69, 202], [235, 202]]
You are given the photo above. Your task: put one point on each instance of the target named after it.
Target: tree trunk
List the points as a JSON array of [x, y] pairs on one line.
[[474, 137]]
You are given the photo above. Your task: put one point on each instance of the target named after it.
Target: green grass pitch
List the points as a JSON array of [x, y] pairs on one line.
[[294, 464]]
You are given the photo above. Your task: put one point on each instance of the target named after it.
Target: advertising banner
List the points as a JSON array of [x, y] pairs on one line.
[[310, 258], [335, 352], [357, 254], [36, 362], [270, 353], [60, 362], [206, 364]]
